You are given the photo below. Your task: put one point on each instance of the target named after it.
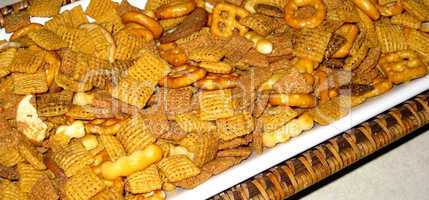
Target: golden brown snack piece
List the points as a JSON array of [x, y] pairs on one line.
[[219, 165], [294, 82], [225, 26], [349, 32], [175, 8], [392, 8], [177, 168], [237, 142], [292, 129], [84, 185], [368, 7], [139, 30], [402, 66], [312, 43], [416, 41], [390, 37], [6, 58], [8, 173], [72, 158], [236, 152], [134, 162], [203, 146], [113, 147], [45, 8], [275, 117], [191, 24], [416, 8], [191, 122], [8, 190], [28, 176], [25, 30], [144, 181], [269, 10], [207, 54], [183, 76], [261, 24], [47, 39], [332, 110], [169, 24], [406, 20], [294, 100], [174, 55], [145, 21], [16, 21], [235, 126], [216, 104], [134, 134], [44, 189], [27, 61], [292, 7], [54, 104], [217, 67], [217, 82], [194, 181]]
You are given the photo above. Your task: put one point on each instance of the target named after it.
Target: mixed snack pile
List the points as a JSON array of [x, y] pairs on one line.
[[115, 102]]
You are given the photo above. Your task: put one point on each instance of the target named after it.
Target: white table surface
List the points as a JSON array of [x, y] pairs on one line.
[[399, 174], [4, 3]]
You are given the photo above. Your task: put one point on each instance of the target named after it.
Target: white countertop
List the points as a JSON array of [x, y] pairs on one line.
[[401, 173], [4, 3]]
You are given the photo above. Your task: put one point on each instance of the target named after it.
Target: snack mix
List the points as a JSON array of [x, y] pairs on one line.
[[117, 102]]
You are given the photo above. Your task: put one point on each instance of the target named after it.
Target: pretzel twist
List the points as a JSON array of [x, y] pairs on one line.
[[402, 66], [225, 26]]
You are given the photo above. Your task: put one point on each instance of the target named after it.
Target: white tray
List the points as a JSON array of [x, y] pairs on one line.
[[282, 152]]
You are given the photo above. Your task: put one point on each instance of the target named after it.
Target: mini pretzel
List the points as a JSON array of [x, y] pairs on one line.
[[390, 9], [295, 100], [183, 76], [349, 32], [293, 5], [139, 30], [144, 20], [217, 82], [173, 54], [175, 9], [224, 20], [25, 30], [402, 66], [368, 8]]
